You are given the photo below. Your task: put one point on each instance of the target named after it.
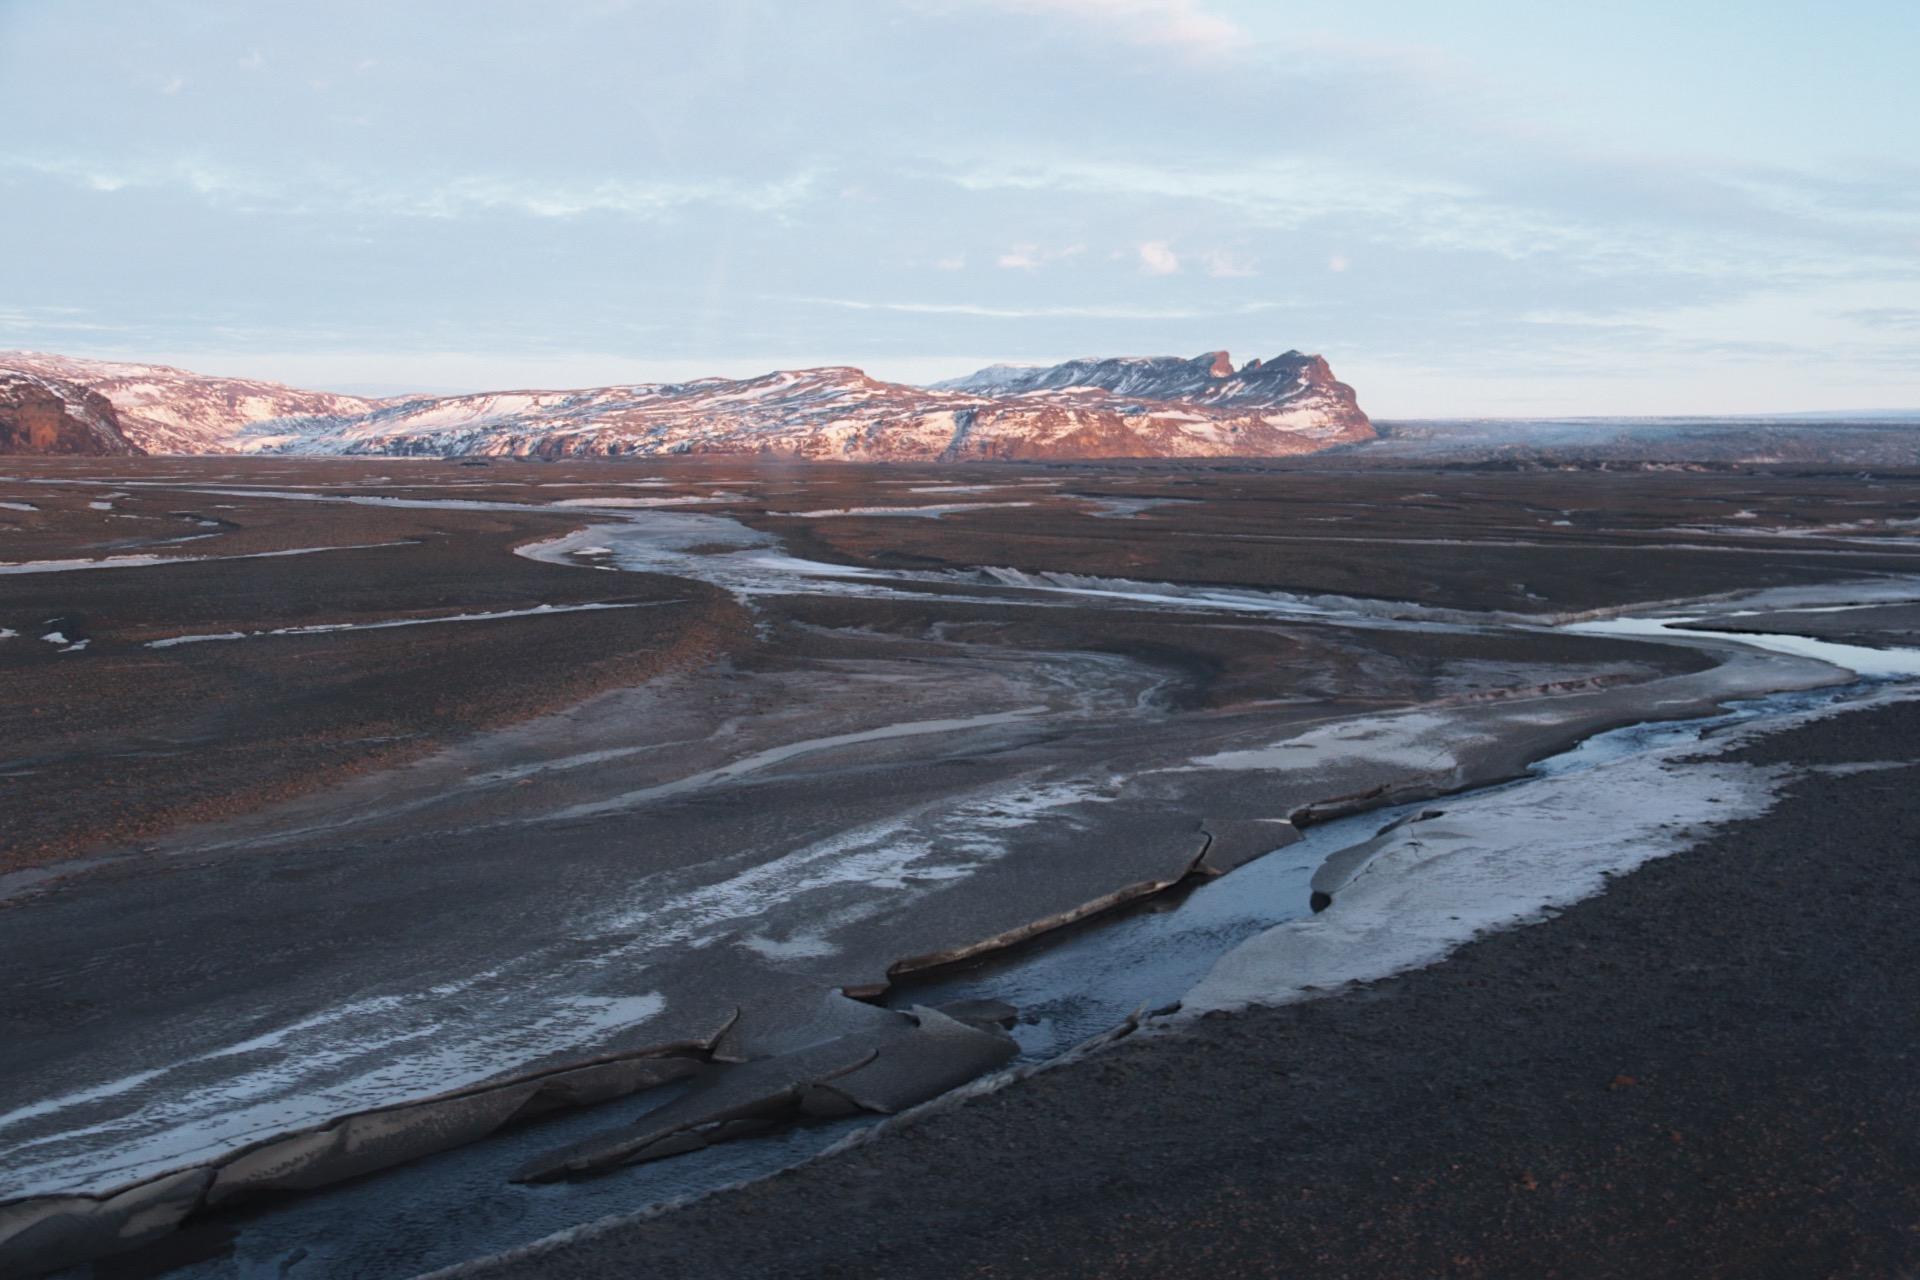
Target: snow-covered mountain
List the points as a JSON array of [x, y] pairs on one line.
[[166, 410], [52, 415], [1206, 379], [1148, 407]]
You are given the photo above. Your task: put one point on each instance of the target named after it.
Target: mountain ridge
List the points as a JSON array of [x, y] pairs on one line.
[[1151, 406]]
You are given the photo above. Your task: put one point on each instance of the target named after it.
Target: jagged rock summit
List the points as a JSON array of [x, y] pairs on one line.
[[1155, 406], [1208, 378]]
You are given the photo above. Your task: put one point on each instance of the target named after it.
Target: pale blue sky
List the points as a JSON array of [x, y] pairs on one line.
[[1483, 206]]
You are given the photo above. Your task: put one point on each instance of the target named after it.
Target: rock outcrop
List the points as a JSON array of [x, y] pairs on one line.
[[49, 415]]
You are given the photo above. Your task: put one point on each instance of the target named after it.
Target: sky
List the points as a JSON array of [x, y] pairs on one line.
[[1481, 207]]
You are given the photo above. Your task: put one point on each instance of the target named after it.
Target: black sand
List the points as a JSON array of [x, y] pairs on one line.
[[1709, 1070]]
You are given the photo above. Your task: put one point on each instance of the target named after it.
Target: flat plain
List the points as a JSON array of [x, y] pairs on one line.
[[336, 785]]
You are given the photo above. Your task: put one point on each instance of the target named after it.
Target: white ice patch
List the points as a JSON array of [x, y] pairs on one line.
[[928, 512], [359, 1055], [629, 502], [1492, 861], [18, 506], [1412, 740], [1859, 766], [1872, 664], [324, 628], [908, 853], [804, 946], [145, 560], [1125, 508], [760, 760]]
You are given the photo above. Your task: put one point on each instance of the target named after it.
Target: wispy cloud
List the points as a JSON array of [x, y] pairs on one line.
[[1905, 319], [56, 319], [1187, 26], [1698, 225], [465, 194], [444, 197], [1031, 257], [1224, 264], [1067, 312]]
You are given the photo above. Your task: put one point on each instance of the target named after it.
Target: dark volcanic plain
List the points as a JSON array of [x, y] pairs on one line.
[[333, 785]]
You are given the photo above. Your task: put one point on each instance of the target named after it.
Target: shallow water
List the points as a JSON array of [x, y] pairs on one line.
[[1069, 985], [1081, 981], [1867, 663]]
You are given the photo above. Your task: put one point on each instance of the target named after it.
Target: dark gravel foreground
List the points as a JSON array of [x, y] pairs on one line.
[[1713, 1069]]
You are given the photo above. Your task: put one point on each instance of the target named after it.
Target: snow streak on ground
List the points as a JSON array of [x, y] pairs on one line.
[[322, 628], [929, 512], [143, 560]]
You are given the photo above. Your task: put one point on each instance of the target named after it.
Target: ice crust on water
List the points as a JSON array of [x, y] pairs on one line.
[[1872, 664], [358, 1055], [1488, 862], [1498, 859]]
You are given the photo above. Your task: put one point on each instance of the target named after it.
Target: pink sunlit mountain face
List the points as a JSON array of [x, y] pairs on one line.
[[1094, 408]]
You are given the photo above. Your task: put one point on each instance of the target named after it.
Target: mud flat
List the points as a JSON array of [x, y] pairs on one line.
[[879, 758], [1706, 1069]]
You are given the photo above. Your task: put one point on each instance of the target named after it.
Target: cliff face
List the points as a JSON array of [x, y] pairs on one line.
[[1165, 406], [47, 415], [1122, 407]]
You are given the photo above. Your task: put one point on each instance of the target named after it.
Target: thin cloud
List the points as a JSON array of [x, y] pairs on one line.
[[453, 197], [1157, 259], [1223, 265], [1186, 26], [988, 312], [1902, 318], [1031, 257]]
